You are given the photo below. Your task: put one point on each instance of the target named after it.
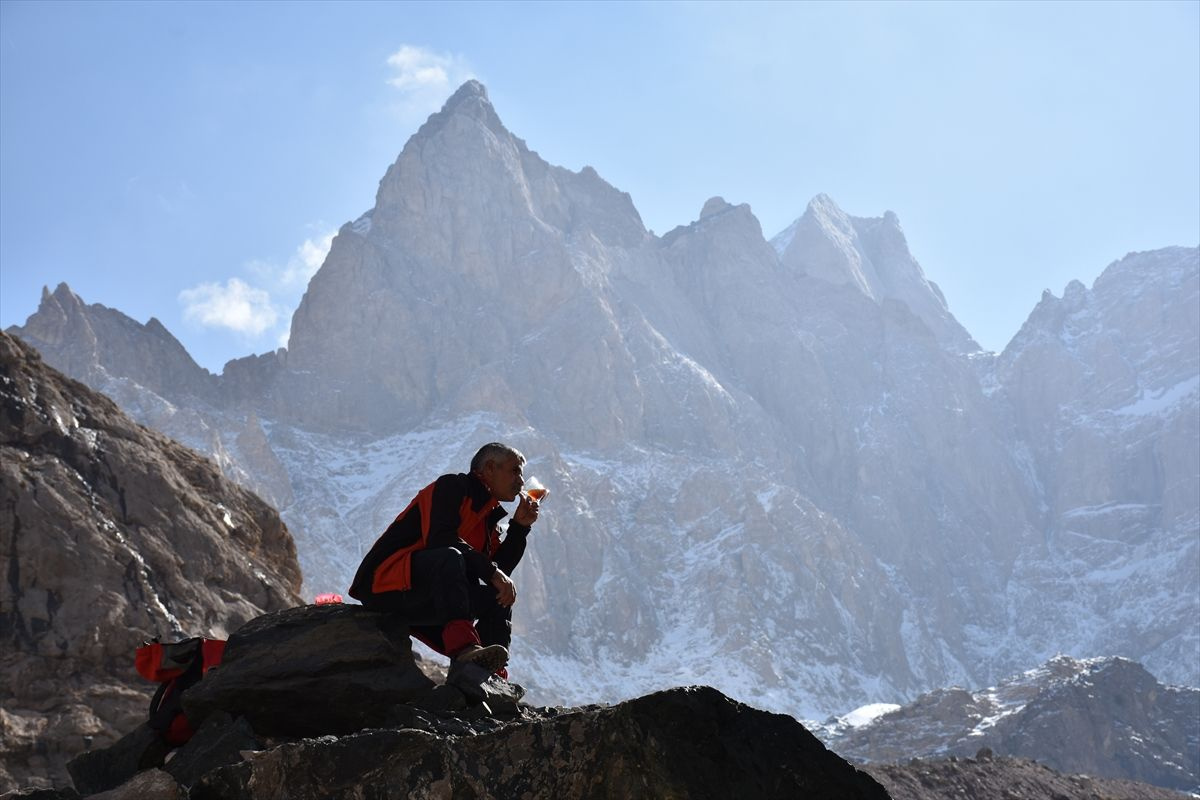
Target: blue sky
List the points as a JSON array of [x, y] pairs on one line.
[[189, 161]]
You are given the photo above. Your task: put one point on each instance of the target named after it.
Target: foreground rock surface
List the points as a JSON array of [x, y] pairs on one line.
[[111, 534], [691, 742]]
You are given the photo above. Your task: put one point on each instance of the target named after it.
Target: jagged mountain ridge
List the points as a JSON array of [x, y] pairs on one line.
[[829, 457], [112, 534], [1104, 717], [871, 255]]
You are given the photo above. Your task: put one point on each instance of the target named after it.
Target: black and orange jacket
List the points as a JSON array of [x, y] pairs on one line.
[[453, 511]]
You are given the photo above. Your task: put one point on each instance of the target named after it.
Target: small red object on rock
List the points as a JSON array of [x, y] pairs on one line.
[[328, 598]]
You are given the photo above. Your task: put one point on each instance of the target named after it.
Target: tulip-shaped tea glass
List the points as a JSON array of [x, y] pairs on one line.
[[536, 489]]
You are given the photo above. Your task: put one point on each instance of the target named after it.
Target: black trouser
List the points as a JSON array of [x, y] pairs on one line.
[[441, 592]]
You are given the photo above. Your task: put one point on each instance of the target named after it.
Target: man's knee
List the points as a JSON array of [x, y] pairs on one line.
[[486, 604], [440, 565]]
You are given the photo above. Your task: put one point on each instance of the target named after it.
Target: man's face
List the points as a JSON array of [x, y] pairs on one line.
[[504, 478]]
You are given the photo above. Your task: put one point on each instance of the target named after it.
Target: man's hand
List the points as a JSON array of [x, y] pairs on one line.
[[506, 590], [527, 511]]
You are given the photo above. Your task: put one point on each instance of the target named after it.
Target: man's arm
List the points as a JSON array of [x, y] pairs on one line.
[[448, 494], [509, 553]]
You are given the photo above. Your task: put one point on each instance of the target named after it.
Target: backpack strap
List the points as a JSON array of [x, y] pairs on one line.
[[177, 666]]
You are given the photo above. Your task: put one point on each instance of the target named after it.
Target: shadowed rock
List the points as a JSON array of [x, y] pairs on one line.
[[107, 768], [312, 670], [153, 784], [34, 793], [221, 740], [692, 742]]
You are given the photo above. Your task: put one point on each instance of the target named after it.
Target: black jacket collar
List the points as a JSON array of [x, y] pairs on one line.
[[480, 496]]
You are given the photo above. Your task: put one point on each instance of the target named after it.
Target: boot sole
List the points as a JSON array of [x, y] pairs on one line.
[[488, 658]]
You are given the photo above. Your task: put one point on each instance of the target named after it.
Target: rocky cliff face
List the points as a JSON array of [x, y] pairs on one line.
[[111, 534], [756, 449], [1102, 387], [1102, 717]]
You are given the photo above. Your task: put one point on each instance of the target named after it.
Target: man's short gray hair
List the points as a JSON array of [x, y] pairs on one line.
[[494, 452]]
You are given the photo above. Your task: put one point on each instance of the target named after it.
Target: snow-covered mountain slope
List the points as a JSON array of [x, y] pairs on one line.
[[811, 493], [1103, 389], [1105, 716]]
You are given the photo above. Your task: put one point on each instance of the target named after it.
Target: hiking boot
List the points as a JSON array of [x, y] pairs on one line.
[[492, 658]]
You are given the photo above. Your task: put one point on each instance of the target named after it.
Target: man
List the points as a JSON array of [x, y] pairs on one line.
[[428, 565]]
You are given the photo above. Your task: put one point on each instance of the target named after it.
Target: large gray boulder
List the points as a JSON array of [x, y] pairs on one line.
[[312, 670]]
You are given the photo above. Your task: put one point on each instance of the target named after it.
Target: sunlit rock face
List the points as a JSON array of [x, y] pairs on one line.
[[779, 467], [871, 256], [1103, 384], [474, 245], [111, 534]]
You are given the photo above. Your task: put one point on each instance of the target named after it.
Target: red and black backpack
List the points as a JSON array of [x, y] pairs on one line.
[[177, 666]]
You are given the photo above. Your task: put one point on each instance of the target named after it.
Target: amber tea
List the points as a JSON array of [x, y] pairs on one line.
[[535, 489]]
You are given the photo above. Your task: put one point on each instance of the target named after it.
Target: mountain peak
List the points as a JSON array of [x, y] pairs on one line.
[[822, 202], [715, 205], [470, 89], [62, 296], [1075, 294], [871, 255], [471, 101]]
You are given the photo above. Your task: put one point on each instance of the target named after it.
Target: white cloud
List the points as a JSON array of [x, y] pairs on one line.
[[426, 78], [236, 306], [300, 266], [417, 67], [308, 258], [250, 310]]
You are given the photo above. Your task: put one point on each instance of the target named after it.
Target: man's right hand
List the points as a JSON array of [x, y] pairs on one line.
[[506, 590]]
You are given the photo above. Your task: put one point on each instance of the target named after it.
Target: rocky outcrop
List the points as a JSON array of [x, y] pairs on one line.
[[1103, 717], [328, 702], [691, 742], [988, 777], [111, 534]]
